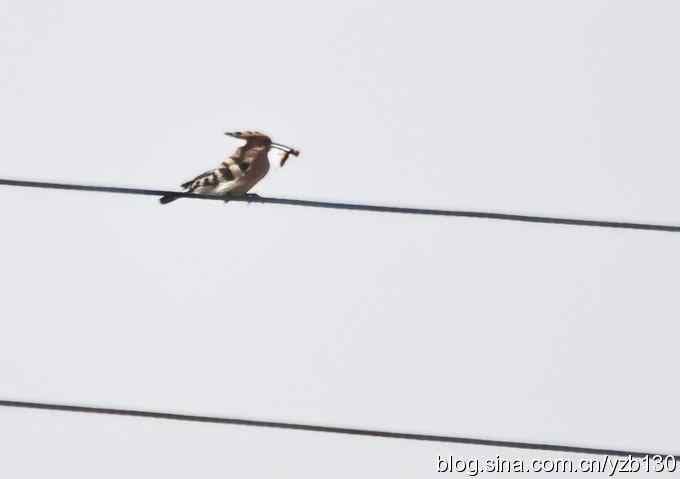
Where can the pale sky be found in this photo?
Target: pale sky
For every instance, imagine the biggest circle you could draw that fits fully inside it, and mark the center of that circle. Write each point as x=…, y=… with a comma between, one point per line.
x=435, y=325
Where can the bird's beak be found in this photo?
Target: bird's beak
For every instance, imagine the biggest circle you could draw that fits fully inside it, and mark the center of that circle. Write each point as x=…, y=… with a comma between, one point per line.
x=234, y=134
x=284, y=147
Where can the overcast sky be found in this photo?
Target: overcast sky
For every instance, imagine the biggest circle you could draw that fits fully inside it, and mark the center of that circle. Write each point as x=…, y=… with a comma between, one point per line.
x=423, y=324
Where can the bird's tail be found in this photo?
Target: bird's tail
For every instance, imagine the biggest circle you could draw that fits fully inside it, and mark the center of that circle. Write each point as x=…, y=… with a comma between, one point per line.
x=168, y=199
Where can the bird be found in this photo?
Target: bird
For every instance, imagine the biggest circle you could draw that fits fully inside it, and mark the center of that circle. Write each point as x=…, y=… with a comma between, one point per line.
x=240, y=171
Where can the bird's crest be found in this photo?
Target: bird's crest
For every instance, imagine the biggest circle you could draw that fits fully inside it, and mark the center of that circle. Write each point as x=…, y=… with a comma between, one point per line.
x=249, y=135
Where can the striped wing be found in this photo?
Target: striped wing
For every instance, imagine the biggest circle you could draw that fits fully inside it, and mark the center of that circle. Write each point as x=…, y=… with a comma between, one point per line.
x=212, y=177
x=192, y=184
x=235, y=166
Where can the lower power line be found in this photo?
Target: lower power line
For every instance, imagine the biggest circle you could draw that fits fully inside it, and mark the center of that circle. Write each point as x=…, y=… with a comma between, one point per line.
x=328, y=429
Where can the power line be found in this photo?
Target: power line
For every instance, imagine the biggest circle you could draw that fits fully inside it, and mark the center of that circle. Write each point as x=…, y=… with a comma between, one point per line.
x=351, y=206
x=327, y=429
x=332, y=429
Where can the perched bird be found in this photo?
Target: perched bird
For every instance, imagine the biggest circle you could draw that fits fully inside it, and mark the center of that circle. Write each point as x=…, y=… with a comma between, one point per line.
x=240, y=171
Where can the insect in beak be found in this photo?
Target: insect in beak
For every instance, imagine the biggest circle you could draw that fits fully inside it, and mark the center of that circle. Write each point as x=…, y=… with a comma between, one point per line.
x=287, y=151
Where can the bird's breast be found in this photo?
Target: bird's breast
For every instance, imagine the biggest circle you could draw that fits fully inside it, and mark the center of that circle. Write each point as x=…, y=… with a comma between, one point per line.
x=257, y=170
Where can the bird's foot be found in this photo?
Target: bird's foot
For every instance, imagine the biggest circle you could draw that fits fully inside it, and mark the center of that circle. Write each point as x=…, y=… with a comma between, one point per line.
x=250, y=197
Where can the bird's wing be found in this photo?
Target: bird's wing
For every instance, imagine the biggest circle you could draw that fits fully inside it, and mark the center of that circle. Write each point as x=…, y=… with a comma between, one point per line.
x=189, y=184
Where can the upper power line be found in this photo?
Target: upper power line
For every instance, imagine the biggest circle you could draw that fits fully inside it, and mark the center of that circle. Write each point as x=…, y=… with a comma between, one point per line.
x=351, y=206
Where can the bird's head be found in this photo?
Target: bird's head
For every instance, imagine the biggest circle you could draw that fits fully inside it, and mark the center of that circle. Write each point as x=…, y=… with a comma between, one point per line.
x=256, y=138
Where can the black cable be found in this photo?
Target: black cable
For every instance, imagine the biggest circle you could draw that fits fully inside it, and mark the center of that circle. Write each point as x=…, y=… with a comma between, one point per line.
x=328, y=429
x=331, y=429
x=350, y=206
